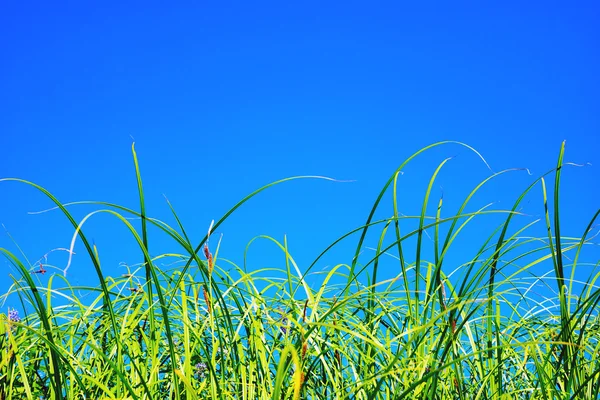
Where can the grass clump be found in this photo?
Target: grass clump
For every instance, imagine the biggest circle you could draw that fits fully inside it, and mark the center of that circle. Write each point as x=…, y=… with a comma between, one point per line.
x=199, y=330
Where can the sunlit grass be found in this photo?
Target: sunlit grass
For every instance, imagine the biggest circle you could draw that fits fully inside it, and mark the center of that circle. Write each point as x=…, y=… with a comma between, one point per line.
x=206, y=328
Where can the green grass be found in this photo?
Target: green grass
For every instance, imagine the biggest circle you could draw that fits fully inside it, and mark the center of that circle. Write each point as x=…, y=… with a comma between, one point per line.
x=210, y=329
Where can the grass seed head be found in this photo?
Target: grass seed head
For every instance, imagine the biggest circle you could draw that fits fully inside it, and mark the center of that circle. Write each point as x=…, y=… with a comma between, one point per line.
x=206, y=299
x=209, y=258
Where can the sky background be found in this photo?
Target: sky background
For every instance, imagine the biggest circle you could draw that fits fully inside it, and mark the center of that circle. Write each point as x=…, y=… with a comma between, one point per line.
x=224, y=98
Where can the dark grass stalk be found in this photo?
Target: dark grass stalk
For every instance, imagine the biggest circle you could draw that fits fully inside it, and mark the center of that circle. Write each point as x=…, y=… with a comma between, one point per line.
x=150, y=278
x=403, y=269
x=420, y=237
x=148, y=267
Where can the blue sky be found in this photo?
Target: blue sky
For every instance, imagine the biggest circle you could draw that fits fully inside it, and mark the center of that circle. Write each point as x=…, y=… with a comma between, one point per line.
x=223, y=98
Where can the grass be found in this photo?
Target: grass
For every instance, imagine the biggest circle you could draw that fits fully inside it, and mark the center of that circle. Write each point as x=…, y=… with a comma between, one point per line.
x=200, y=331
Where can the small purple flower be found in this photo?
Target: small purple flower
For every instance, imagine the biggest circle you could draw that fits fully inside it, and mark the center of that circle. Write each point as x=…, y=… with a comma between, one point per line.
x=201, y=370
x=13, y=315
x=284, y=323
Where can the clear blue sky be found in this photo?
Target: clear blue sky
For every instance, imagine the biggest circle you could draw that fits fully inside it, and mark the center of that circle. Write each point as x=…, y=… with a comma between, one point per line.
x=224, y=98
